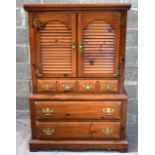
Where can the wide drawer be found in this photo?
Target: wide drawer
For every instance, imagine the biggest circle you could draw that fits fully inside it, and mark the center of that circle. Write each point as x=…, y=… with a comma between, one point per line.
x=77, y=130
x=84, y=110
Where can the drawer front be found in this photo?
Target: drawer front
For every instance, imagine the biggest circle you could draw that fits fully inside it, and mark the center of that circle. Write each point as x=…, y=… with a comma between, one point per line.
x=77, y=130
x=69, y=110
x=67, y=86
x=87, y=86
x=46, y=86
x=108, y=86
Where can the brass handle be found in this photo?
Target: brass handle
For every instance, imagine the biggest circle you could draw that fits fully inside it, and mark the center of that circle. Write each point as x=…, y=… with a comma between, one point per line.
x=107, y=132
x=74, y=47
x=81, y=47
x=48, y=131
x=108, y=111
x=38, y=72
x=107, y=87
x=88, y=86
x=47, y=111
x=67, y=87
x=47, y=87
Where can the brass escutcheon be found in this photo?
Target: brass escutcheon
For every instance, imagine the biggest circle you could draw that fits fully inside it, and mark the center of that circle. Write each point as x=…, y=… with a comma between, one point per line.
x=88, y=86
x=47, y=111
x=107, y=132
x=107, y=87
x=47, y=87
x=108, y=111
x=48, y=131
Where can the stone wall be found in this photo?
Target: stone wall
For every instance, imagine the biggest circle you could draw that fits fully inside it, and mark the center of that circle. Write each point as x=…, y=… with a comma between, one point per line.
x=23, y=62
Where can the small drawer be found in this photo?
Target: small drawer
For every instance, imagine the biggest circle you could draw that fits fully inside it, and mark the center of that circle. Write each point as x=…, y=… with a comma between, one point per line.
x=108, y=86
x=77, y=110
x=87, y=86
x=67, y=86
x=46, y=86
x=77, y=130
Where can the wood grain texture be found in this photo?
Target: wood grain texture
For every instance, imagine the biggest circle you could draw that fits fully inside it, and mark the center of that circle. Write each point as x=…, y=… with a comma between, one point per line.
x=77, y=62
x=55, y=37
x=98, y=44
x=79, y=145
x=77, y=110
x=73, y=7
x=80, y=97
x=77, y=130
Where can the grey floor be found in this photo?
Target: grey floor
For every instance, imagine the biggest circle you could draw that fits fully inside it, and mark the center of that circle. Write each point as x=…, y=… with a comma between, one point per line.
x=23, y=135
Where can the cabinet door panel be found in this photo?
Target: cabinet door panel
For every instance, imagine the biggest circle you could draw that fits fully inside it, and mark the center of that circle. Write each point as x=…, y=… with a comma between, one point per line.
x=55, y=36
x=98, y=44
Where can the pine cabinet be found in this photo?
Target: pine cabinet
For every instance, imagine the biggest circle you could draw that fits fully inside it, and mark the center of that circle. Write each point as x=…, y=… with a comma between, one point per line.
x=77, y=54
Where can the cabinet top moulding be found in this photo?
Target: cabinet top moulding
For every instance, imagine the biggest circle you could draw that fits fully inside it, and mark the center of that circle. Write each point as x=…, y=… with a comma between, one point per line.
x=78, y=7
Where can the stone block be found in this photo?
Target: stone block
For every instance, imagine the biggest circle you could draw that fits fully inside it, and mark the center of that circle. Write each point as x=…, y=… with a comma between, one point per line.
x=132, y=38
x=22, y=114
x=23, y=71
x=131, y=90
x=22, y=103
x=131, y=56
x=132, y=20
x=22, y=88
x=61, y=1
x=100, y=1
x=19, y=17
x=133, y=2
x=132, y=118
x=131, y=73
x=132, y=137
x=19, y=3
x=133, y=106
x=22, y=36
x=21, y=54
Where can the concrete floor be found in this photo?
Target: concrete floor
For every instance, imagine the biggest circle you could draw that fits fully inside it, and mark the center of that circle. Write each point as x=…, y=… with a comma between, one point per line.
x=23, y=135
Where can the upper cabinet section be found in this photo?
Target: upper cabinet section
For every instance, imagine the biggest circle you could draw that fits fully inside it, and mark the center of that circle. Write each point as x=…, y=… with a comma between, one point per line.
x=55, y=37
x=82, y=40
x=99, y=44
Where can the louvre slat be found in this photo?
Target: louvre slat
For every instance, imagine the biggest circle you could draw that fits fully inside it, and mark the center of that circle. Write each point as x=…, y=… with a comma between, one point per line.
x=55, y=46
x=98, y=48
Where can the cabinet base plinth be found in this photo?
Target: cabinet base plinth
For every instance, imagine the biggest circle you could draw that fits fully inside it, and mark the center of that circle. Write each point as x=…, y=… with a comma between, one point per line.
x=116, y=145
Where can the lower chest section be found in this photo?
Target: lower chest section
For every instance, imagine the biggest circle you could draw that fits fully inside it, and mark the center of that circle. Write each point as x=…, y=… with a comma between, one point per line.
x=77, y=119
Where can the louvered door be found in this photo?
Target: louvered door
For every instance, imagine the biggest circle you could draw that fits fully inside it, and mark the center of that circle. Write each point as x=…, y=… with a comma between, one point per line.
x=55, y=37
x=98, y=44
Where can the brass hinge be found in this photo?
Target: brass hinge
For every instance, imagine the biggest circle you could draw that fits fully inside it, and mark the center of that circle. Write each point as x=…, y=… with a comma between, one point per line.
x=38, y=72
x=118, y=72
x=120, y=21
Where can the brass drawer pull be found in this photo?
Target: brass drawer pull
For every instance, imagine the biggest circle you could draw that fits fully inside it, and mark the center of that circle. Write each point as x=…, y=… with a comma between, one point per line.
x=47, y=87
x=107, y=87
x=107, y=132
x=38, y=72
x=47, y=111
x=67, y=87
x=48, y=131
x=108, y=111
x=81, y=47
x=74, y=47
x=88, y=86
